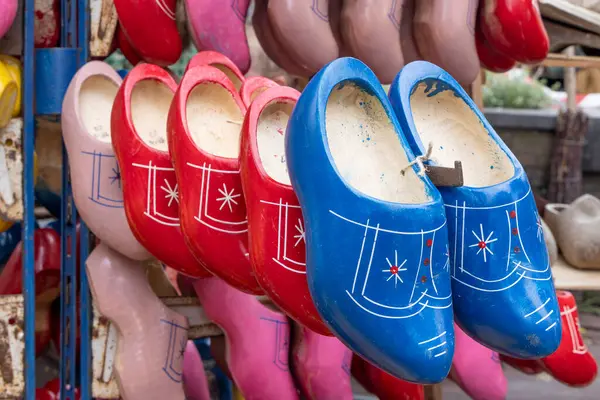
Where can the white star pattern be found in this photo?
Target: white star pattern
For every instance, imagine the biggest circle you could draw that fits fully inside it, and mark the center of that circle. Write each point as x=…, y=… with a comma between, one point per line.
x=300, y=236
x=171, y=193
x=395, y=269
x=483, y=243
x=540, y=230
x=228, y=198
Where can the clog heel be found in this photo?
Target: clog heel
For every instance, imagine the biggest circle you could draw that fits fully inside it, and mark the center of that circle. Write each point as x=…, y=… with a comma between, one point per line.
x=95, y=173
x=375, y=227
x=150, y=188
x=220, y=62
x=497, y=248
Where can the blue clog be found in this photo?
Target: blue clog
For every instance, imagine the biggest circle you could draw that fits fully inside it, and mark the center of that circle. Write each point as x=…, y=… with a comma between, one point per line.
x=376, y=234
x=502, y=286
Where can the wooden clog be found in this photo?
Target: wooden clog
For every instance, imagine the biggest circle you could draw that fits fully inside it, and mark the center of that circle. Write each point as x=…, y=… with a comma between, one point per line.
x=204, y=128
x=253, y=87
x=445, y=35
x=150, y=189
x=375, y=227
x=151, y=346
x=302, y=27
x=575, y=227
x=257, y=340
x=150, y=27
x=496, y=248
x=321, y=365
x=515, y=28
x=268, y=40
x=95, y=173
x=276, y=228
x=371, y=29
x=220, y=27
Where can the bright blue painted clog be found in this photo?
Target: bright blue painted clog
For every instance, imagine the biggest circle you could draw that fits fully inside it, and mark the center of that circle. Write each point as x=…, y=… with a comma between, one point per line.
x=502, y=286
x=376, y=233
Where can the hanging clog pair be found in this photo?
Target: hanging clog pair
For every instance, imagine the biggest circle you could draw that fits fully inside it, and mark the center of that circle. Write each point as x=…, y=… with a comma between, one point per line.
x=572, y=363
x=384, y=245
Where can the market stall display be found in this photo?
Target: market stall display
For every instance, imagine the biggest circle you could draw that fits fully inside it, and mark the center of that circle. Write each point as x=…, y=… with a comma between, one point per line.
x=337, y=228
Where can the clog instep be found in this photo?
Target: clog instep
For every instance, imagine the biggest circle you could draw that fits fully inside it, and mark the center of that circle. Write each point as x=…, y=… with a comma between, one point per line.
x=14, y=69
x=9, y=92
x=376, y=237
x=502, y=287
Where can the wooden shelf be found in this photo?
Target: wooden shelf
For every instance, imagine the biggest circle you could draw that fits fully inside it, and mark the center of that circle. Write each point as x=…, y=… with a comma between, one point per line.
x=570, y=278
x=562, y=60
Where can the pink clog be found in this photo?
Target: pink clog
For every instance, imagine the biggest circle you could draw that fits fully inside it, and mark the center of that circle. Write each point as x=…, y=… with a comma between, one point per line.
x=194, y=377
x=257, y=340
x=221, y=27
x=8, y=14
x=151, y=337
x=95, y=173
x=321, y=364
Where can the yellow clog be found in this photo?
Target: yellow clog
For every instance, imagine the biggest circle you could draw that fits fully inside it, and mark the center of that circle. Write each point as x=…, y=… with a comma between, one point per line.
x=14, y=68
x=8, y=95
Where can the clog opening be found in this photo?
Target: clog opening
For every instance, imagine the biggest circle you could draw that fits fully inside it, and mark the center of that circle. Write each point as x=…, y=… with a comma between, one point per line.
x=230, y=74
x=150, y=103
x=366, y=148
x=270, y=135
x=214, y=120
x=455, y=132
x=96, y=99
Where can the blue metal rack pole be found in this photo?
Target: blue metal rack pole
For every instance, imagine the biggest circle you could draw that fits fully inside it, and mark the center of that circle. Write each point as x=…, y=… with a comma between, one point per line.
x=68, y=308
x=29, y=200
x=85, y=297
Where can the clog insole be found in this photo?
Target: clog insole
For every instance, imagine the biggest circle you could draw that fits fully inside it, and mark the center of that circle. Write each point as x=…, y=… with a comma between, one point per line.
x=150, y=103
x=270, y=135
x=95, y=106
x=366, y=149
x=457, y=133
x=214, y=120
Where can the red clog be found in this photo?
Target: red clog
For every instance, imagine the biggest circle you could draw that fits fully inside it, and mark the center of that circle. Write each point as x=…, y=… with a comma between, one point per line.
x=382, y=384
x=276, y=226
x=47, y=279
x=572, y=364
x=46, y=23
x=126, y=48
x=220, y=62
x=151, y=29
x=489, y=58
x=150, y=188
x=515, y=28
x=204, y=129
x=528, y=367
x=253, y=87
